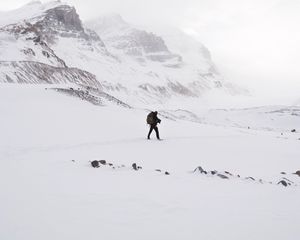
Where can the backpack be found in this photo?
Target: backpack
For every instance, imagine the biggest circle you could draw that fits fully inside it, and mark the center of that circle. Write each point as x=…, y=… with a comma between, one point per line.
x=150, y=118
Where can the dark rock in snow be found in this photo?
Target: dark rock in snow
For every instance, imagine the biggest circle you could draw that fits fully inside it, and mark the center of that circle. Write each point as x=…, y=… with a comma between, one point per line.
x=298, y=173
x=95, y=164
x=167, y=173
x=250, y=178
x=222, y=176
x=200, y=169
x=293, y=130
x=110, y=164
x=134, y=166
x=288, y=180
x=157, y=170
x=213, y=172
x=228, y=173
x=282, y=173
x=282, y=182
x=103, y=162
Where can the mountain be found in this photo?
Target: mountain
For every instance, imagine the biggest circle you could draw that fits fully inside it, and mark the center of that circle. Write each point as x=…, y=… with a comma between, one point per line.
x=47, y=42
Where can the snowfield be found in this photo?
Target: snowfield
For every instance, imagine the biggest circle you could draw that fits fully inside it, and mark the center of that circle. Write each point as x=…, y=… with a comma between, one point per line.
x=50, y=191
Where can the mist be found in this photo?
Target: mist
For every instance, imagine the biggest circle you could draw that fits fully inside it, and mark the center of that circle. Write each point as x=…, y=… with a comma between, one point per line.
x=253, y=43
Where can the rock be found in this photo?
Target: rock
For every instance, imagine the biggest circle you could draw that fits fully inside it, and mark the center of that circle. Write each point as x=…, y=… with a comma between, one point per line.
x=297, y=173
x=228, y=173
x=222, y=176
x=293, y=130
x=73, y=160
x=167, y=173
x=288, y=181
x=200, y=169
x=282, y=182
x=157, y=170
x=213, y=172
x=95, y=164
x=110, y=164
x=282, y=173
x=134, y=166
x=103, y=162
x=250, y=178
x=139, y=167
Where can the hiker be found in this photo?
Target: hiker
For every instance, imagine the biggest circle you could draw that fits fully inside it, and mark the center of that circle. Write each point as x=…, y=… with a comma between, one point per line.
x=153, y=120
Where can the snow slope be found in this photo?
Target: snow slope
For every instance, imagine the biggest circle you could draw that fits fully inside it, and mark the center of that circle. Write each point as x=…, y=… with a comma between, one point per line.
x=50, y=191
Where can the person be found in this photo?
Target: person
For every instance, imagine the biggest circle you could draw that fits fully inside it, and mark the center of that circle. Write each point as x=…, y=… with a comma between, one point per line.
x=153, y=120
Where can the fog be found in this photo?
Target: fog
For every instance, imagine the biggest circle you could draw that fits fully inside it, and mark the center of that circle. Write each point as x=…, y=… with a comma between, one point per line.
x=254, y=43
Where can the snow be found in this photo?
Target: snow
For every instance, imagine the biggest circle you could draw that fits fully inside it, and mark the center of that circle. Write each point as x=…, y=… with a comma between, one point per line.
x=31, y=10
x=46, y=195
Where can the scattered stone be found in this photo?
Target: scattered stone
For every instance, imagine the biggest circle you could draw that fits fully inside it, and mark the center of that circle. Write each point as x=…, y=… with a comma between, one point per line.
x=250, y=178
x=122, y=165
x=73, y=160
x=297, y=173
x=288, y=180
x=213, y=172
x=110, y=164
x=238, y=175
x=229, y=173
x=103, y=162
x=200, y=169
x=157, y=170
x=134, y=166
x=282, y=173
x=167, y=173
x=95, y=164
x=222, y=176
x=139, y=167
x=282, y=182
x=281, y=134
x=293, y=130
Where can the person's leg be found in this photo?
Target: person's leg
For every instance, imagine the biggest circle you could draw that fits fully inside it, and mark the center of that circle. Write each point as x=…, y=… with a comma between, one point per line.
x=150, y=131
x=157, y=133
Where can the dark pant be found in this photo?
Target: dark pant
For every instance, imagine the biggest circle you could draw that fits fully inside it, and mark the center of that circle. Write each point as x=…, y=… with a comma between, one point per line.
x=153, y=126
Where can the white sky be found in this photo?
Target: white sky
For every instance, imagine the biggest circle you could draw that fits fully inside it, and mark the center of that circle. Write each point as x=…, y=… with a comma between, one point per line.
x=253, y=42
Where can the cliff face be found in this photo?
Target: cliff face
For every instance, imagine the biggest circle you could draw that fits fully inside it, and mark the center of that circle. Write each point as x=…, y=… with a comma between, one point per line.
x=38, y=73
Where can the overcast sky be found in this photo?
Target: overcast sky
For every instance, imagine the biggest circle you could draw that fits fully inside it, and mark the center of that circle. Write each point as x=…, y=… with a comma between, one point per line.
x=253, y=42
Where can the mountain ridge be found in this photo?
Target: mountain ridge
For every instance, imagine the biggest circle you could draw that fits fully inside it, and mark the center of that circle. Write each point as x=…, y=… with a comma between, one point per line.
x=132, y=64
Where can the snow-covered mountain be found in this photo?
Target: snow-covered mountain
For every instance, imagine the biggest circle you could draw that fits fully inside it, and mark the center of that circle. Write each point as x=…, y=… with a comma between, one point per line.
x=136, y=66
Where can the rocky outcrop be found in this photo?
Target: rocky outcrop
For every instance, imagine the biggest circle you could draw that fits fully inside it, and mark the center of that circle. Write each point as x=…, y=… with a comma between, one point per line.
x=39, y=73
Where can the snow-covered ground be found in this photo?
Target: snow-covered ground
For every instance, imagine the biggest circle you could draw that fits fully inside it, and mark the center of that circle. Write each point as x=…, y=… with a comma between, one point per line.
x=50, y=191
